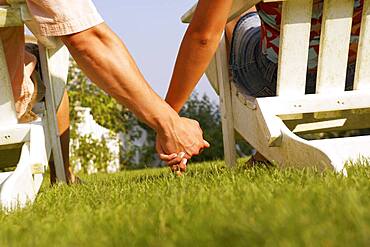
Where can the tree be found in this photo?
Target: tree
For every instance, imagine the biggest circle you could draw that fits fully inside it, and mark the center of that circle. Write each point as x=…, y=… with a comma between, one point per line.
x=209, y=118
x=106, y=112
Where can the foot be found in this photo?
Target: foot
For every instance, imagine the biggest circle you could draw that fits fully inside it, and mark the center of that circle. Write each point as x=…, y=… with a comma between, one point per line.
x=257, y=159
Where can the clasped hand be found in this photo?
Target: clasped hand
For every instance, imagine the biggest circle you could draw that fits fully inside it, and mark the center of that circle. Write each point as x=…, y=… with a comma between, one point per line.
x=179, y=143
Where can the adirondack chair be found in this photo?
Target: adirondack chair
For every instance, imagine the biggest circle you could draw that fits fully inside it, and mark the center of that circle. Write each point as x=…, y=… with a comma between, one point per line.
x=275, y=126
x=27, y=147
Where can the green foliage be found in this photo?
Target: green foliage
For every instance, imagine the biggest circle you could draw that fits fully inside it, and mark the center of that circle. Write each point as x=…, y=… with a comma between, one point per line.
x=90, y=152
x=209, y=206
x=208, y=116
x=108, y=113
x=105, y=110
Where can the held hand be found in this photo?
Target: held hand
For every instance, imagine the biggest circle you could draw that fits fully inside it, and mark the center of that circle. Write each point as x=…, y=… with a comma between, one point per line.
x=185, y=136
x=176, y=162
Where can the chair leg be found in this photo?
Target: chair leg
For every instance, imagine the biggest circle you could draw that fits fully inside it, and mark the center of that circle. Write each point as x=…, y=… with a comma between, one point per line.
x=51, y=115
x=228, y=137
x=226, y=104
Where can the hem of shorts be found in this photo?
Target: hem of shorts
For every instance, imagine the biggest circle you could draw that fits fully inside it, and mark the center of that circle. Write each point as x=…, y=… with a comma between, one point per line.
x=232, y=55
x=70, y=26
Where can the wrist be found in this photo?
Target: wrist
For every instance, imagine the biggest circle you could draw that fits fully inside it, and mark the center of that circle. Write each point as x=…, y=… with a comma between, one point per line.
x=174, y=103
x=165, y=120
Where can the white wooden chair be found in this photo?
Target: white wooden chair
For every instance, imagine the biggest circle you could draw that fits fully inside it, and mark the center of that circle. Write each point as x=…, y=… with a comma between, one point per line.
x=273, y=125
x=28, y=146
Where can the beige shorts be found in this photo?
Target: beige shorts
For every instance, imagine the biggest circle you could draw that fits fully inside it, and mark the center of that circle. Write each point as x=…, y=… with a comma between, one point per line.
x=63, y=17
x=53, y=18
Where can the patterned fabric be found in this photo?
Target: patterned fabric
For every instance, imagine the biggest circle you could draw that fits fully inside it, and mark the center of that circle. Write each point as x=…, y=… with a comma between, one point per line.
x=270, y=14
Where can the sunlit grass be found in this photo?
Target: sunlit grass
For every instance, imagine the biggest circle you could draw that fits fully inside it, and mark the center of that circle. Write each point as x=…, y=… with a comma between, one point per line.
x=210, y=205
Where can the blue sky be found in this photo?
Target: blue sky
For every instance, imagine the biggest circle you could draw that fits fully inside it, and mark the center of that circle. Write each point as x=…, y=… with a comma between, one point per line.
x=152, y=31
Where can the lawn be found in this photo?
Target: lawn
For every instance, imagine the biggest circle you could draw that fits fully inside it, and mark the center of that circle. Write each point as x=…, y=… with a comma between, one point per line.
x=211, y=205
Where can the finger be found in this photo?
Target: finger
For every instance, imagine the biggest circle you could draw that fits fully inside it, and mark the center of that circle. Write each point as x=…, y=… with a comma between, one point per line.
x=175, y=161
x=181, y=155
x=166, y=157
x=175, y=168
x=183, y=165
x=206, y=144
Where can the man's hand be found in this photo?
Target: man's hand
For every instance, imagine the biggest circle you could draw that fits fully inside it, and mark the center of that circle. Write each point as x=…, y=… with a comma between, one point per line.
x=179, y=142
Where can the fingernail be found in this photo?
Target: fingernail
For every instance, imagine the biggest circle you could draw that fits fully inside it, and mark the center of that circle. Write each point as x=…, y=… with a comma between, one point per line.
x=173, y=156
x=181, y=155
x=185, y=161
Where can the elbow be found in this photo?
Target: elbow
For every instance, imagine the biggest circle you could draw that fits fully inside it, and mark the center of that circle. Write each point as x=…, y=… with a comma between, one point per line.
x=205, y=39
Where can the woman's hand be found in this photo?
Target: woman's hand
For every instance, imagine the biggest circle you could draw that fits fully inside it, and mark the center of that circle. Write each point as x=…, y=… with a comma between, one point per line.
x=176, y=162
x=180, y=142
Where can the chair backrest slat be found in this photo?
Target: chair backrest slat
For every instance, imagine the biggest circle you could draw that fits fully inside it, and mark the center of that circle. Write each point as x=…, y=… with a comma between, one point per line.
x=362, y=78
x=294, y=45
x=334, y=45
x=7, y=108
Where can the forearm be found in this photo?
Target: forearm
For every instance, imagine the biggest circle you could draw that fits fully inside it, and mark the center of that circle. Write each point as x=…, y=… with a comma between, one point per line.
x=197, y=49
x=189, y=68
x=106, y=61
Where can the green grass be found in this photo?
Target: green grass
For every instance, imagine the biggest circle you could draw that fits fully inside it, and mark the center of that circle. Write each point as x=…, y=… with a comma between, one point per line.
x=211, y=205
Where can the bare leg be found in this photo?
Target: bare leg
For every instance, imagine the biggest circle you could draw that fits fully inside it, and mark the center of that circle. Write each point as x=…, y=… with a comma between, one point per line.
x=63, y=124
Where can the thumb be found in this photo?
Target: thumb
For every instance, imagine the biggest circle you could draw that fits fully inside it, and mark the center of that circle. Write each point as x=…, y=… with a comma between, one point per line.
x=206, y=144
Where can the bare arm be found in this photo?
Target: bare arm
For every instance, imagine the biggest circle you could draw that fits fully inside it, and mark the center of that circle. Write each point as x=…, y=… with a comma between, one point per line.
x=198, y=46
x=106, y=61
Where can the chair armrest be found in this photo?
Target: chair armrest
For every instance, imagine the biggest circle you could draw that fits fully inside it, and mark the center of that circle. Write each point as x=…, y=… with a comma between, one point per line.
x=238, y=8
x=10, y=17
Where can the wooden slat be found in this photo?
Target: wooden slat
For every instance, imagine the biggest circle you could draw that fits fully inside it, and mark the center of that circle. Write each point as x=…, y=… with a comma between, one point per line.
x=38, y=153
x=346, y=120
x=362, y=78
x=226, y=104
x=294, y=45
x=211, y=73
x=45, y=57
x=334, y=46
x=58, y=69
x=7, y=107
x=312, y=103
